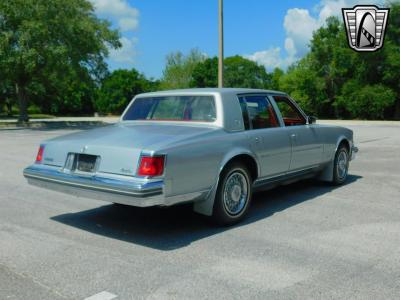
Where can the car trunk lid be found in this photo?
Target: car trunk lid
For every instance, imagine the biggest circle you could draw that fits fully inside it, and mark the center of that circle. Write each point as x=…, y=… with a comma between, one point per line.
x=119, y=146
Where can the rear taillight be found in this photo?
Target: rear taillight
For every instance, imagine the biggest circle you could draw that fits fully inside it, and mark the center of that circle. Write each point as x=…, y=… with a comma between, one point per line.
x=39, y=155
x=151, y=166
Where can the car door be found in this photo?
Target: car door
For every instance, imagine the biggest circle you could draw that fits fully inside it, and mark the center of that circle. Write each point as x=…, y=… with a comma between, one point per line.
x=268, y=140
x=307, y=148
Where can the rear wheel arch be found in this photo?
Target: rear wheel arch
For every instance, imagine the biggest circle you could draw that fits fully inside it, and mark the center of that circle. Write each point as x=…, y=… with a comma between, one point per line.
x=248, y=160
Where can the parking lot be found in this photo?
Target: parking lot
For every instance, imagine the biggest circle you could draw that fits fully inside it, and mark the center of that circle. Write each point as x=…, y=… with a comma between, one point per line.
x=305, y=240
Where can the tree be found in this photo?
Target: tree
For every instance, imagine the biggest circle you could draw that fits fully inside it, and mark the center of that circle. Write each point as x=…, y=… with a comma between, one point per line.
x=40, y=39
x=6, y=96
x=205, y=74
x=391, y=49
x=332, y=80
x=276, y=76
x=245, y=73
x=332, y=61
x=72, y=94
x=238, y=72
x=118, y=89
x=366, y=101
x=179, y=69
x=304, y=85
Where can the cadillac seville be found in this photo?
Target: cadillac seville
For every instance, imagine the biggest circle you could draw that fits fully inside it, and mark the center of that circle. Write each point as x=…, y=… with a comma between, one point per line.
x=210, y=147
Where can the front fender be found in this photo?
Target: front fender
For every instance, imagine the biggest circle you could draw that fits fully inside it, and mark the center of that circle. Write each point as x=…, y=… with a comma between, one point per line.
x=340, y=139
x=327, y=173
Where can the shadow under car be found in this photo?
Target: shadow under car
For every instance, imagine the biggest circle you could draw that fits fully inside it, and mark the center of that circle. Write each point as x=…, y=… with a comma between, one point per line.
x=178, y=226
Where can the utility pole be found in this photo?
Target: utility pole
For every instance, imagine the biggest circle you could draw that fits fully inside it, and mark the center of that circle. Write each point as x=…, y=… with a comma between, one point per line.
x=221, y=46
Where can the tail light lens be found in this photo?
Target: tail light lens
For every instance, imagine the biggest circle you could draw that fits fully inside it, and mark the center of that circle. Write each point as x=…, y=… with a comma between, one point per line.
x=151, y=166
x=39, y=155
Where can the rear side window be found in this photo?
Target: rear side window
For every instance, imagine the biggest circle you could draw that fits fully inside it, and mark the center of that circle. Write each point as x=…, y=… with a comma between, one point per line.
x=173, y=108
x=258, y=113
x=245, y=113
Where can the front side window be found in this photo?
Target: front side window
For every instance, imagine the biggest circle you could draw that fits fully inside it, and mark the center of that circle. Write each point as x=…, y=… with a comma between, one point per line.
x=173, y=108
x=259, y=111
x=290, y=114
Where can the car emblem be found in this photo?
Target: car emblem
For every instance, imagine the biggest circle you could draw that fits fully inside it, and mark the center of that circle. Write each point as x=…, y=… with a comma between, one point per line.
x=83, y=150
x=365, y=26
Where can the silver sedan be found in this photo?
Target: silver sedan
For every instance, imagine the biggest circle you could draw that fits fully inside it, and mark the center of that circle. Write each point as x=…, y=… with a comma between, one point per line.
x=210, y=147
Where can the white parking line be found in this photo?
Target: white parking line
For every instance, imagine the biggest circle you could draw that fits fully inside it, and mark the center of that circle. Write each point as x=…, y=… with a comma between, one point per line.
x=104, y=295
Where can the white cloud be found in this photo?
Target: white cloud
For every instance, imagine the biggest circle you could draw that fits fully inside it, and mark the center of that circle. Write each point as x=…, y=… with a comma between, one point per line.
x=271, y=58
x=126, y=17
x=290, y=48
x=125, y=54
x=120, y=11
x=127, y=24
x=299, y=25
x=329, y=8
x=333, y=8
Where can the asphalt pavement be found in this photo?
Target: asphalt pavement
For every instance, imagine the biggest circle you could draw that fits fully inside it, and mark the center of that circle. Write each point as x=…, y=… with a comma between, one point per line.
x=305, y=240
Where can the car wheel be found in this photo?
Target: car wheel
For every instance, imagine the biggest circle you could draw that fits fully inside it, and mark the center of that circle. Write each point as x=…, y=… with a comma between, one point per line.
x=341, y=165
x=233, y=194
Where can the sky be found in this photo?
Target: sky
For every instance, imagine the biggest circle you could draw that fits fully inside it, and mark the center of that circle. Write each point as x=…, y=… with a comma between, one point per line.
x=272, y=33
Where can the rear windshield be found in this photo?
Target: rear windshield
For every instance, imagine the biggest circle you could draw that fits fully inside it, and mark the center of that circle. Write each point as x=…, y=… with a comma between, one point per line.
x=173, y=108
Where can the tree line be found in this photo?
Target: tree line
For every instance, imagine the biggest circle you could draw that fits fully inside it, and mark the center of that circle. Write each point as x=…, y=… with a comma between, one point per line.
x=53, y=52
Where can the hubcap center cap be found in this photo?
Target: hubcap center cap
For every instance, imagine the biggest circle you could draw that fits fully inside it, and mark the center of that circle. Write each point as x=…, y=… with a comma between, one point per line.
x=236, y=193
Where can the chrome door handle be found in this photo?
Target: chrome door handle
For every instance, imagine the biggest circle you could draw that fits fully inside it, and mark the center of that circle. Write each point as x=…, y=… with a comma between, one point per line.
x=293, y=135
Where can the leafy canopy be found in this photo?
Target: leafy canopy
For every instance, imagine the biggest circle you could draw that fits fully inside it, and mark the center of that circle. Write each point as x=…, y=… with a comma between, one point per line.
x=179, y=69
x=44, y=39
x=118, y=89
x=238, y=72
x=334, y=81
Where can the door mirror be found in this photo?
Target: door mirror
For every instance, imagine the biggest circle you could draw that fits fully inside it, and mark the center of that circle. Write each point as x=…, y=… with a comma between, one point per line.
x=311, y=120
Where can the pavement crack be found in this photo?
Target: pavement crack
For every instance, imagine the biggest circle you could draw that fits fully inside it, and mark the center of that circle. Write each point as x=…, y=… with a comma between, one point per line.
x=373, y=140
x=33, y=279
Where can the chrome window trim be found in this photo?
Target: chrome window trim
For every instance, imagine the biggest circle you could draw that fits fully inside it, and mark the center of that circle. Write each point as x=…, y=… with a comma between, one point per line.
x=217, y=103
x=296, y=106
x=266, y=95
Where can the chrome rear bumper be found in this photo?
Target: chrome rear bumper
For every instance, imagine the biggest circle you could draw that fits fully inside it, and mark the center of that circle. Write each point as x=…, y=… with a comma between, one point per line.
x=113, y=188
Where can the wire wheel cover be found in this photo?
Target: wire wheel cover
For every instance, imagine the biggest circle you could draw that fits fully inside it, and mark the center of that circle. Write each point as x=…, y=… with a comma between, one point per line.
x=235, y=193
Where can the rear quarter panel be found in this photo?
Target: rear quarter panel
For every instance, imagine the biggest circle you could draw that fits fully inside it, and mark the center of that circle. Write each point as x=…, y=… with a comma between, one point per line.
x=195, y=164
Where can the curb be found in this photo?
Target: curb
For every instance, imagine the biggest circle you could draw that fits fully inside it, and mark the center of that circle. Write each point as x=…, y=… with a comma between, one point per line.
x=51, y=125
